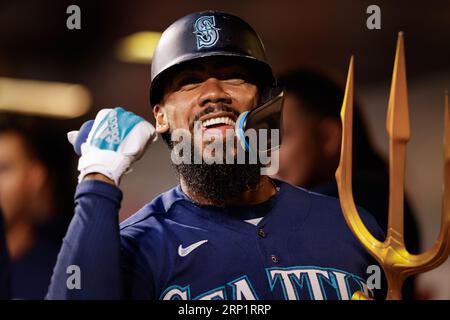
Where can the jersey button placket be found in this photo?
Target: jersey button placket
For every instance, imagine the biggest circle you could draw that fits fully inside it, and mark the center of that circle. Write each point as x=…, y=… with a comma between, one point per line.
x=262, y=233
x=274, y=258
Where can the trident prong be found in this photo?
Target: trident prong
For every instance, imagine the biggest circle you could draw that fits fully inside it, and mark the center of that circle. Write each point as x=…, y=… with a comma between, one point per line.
x=392, y=254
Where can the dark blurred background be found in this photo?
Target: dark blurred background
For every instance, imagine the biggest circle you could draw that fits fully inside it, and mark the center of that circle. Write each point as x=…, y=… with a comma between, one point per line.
x=36, y=44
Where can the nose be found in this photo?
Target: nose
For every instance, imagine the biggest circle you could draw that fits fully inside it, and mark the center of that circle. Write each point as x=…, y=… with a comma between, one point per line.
x=212, y=91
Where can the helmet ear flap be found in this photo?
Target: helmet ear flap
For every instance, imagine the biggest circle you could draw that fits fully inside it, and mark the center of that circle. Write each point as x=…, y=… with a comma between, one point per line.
x=267, y=116
x=269, y=92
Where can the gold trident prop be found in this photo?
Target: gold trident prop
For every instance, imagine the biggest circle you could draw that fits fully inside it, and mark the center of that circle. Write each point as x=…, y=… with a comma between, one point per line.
x=397, y=262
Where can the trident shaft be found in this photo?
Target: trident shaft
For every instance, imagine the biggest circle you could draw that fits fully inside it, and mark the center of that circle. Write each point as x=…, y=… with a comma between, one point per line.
x=391, y=254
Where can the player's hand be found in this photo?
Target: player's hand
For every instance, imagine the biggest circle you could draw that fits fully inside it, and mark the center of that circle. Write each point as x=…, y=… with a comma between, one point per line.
x=110, y=144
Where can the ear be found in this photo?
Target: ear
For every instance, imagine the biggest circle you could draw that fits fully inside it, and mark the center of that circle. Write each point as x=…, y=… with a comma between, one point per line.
x=331, y=132
x=162, y=121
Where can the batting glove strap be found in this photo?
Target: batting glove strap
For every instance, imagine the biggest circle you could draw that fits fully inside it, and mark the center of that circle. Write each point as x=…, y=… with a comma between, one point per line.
x=109, y=163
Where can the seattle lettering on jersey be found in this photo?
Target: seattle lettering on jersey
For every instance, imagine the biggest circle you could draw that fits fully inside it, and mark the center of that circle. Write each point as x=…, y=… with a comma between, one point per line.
x=295, y=283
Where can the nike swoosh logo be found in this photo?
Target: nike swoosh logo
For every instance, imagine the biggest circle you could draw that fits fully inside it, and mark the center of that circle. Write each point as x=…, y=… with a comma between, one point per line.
x=183, y=252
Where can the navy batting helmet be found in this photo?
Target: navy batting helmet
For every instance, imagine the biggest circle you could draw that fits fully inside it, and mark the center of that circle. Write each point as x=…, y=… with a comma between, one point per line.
x=209, y=34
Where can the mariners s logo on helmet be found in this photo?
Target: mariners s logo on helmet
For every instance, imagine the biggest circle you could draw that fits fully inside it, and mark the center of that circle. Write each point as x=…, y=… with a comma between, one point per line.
x=206, y=32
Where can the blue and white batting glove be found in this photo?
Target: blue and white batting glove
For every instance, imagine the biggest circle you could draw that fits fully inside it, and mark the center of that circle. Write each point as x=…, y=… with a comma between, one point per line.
x=111, y=143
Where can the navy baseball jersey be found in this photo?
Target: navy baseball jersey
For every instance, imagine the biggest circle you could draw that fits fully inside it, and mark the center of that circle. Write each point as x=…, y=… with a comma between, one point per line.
x=296, y=245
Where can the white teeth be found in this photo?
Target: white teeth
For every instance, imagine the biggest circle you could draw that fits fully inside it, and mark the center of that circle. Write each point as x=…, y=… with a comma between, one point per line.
x=218, y=120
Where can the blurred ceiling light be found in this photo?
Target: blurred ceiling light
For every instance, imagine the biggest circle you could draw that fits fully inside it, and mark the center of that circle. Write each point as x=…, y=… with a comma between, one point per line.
x=52, y=99
x=138, y=47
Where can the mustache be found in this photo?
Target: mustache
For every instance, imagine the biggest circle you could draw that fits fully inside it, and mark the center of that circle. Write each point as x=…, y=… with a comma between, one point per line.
x=218, y=107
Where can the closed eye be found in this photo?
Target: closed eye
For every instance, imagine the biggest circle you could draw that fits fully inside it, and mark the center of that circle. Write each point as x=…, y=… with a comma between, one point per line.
x=188, y=81
x=237, y=78
x=235, y=81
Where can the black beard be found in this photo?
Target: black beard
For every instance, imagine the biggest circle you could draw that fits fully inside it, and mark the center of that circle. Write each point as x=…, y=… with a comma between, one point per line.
x=220, y=183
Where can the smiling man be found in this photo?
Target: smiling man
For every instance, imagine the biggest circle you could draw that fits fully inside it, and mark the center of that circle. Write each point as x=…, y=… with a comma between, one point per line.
x=204, y=99
x=226, y=232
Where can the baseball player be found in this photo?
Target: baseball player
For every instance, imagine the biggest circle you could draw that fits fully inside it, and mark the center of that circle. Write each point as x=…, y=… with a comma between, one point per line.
x=226, y=232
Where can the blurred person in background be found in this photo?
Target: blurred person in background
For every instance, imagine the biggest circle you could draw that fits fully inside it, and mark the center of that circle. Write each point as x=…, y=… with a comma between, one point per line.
x=5, y=290
x=310, y=152
x=35, y=200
